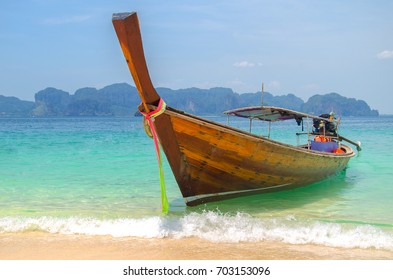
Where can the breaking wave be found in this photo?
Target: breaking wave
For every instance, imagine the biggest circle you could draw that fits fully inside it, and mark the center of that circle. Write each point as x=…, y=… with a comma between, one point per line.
x=214, y=227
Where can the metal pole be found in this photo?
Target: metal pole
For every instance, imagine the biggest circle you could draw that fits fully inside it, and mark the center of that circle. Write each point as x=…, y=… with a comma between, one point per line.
x=268, y=136
x=308, y=135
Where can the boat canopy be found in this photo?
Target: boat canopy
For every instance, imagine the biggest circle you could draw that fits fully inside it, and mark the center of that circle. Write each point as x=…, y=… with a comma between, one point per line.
x=272, y=114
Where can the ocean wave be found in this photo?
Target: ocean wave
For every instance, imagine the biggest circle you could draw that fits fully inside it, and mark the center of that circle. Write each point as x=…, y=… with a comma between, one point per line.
x=214, y=227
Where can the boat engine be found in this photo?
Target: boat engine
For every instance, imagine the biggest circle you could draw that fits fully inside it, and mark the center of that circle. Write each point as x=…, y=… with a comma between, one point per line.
x=329, y=126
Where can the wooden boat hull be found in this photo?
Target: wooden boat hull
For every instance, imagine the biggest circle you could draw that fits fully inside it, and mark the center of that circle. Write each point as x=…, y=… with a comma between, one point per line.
x=213, y=162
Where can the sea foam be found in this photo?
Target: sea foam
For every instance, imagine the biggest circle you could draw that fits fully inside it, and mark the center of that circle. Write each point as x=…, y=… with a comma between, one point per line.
x=214, y=227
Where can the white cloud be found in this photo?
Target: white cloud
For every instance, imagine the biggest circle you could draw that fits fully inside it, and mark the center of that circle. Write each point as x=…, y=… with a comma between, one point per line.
x=244, y=64
x=385, y=54
x=66, y=20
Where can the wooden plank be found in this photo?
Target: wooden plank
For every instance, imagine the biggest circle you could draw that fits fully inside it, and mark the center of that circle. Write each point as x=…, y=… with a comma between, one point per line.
x=128, y=32
x=219, y=161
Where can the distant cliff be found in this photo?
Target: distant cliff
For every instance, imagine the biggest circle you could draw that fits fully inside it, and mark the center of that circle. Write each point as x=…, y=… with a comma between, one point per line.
x=114, y=100
x=14, y=107
x=216, y=100
x=340, y=105
x=123, y=99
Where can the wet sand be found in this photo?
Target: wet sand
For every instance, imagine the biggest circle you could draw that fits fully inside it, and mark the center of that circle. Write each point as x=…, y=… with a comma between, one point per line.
x=45, y=246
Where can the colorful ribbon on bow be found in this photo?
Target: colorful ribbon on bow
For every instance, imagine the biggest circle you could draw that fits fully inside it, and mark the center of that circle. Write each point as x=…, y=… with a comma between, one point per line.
x=150, y=119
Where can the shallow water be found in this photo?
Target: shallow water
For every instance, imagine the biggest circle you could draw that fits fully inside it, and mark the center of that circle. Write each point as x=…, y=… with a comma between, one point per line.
x=99, y=176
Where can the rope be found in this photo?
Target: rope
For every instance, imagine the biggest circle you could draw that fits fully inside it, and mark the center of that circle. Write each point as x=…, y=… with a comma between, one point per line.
x=150, y=119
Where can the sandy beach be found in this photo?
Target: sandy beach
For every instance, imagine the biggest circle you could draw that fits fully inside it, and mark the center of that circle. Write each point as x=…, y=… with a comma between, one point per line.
x=45, y=246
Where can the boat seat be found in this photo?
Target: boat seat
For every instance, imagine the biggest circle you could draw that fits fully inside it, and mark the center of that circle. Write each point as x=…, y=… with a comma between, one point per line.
x=327, y=147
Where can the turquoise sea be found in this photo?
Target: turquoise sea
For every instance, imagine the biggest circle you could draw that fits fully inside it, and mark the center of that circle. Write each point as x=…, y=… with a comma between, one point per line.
x=99, y=176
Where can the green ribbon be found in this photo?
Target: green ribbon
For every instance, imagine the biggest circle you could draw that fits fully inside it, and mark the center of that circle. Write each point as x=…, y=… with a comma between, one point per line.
x=150, y=119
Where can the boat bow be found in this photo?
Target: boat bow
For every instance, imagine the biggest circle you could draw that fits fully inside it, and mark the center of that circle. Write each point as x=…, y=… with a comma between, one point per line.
x=128, y=32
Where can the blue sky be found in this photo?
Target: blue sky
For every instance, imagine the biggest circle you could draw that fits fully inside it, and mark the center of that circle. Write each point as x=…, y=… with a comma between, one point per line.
x=301, y=47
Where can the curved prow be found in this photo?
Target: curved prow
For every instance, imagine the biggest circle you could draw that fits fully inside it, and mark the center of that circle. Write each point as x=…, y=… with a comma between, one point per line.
x=129, y=35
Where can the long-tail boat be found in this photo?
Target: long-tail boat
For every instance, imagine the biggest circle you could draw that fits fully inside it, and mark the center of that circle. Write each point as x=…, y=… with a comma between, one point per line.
x=213, y=161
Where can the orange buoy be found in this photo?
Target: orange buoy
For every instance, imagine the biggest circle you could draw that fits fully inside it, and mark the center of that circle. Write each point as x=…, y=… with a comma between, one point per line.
x=320, y=138
x=339, y=151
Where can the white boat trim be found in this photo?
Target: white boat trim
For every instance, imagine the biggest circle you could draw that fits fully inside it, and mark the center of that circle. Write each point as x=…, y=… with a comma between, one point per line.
x=198, y=197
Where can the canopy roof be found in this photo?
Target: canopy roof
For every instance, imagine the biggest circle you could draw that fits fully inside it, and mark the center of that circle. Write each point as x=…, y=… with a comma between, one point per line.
x=271, y=114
